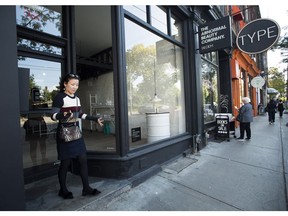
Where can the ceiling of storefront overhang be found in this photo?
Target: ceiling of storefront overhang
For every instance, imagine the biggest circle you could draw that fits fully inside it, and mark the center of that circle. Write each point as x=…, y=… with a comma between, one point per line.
x=93, y=28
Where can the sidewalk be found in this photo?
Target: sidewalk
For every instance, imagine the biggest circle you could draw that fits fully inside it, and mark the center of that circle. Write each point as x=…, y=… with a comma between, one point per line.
x=224, y=176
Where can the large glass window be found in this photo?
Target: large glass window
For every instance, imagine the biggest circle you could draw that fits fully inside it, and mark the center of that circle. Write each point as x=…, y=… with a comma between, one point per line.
x=158, y=18
x=154, y=70
x=38, y=84
x=210, y=86
x=94, y=65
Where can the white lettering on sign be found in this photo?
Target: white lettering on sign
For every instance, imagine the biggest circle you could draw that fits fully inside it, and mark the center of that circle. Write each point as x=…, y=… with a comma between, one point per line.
x=222, y=121
x=256, y=36
x=215, y=35
x=210, y=35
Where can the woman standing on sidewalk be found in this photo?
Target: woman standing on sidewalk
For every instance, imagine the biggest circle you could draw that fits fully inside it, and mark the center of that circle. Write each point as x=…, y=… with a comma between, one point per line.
x=246, y=117
x=66, y=108
x=271, y=109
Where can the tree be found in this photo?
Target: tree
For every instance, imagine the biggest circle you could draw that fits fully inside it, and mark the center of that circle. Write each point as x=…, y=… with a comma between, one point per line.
x=276, y=80
x=283, y=45
x=147, y=76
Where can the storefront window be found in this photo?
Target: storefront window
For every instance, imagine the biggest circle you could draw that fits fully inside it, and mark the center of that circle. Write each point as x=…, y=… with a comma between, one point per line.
x=159, y=18
x=154, y=70
x=96, y=89
x=137, y=10
x=210, y=90
x=41, y=47
x=46, y=19
x=38, y=84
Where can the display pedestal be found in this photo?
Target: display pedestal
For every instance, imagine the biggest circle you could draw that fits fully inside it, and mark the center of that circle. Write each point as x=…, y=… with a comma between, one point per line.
x=158, y=126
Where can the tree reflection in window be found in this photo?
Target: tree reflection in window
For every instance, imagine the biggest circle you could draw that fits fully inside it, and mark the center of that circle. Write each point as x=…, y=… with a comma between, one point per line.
x=210, y=91
x=42, y=19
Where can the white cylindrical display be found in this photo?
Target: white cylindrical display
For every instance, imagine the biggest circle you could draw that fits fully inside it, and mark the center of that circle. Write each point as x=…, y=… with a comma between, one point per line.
x=158, y=126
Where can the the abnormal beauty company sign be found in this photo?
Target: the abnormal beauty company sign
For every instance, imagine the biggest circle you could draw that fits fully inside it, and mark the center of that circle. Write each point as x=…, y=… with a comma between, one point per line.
x=258, y=36
x=215, y=35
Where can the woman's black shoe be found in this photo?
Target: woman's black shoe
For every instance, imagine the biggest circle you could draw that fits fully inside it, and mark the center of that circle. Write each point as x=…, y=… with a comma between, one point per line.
x=67, y=195
x=90, y=192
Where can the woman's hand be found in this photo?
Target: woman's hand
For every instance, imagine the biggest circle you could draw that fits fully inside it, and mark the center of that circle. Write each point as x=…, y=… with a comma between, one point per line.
x=100, y=121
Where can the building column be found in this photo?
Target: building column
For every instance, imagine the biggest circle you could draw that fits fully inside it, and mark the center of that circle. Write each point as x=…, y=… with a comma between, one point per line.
x=11, y=164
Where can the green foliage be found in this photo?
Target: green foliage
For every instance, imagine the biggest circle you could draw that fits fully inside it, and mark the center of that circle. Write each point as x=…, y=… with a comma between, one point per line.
x=276, y=80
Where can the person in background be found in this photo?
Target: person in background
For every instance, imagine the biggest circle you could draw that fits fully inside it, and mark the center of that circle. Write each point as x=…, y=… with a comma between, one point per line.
x=246, y=118
x=66, y=109
x=280, y=108
x=271, y=109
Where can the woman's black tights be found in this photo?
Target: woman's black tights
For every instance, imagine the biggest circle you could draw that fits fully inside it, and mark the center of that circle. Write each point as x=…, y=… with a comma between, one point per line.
x=64, y=167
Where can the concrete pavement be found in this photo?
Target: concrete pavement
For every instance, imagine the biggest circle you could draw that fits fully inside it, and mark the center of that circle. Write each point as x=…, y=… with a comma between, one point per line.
x=224, y=176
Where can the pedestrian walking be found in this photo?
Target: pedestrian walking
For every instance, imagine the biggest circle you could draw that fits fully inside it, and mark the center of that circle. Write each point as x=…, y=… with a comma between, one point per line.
x=271, y=109
x=280, y=108
x=245, y=117
x=66, y=108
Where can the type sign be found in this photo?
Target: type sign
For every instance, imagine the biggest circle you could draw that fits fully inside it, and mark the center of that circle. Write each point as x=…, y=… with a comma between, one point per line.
x=258, y=36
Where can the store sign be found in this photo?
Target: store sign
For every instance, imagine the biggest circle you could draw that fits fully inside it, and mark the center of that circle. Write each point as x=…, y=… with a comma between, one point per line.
x=215, y=35
x=258, y=36
x=136, y=134
x=257, y=82
x=223, y=126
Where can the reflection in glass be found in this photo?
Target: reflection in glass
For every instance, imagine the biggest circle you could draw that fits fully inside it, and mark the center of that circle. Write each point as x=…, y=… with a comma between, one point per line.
x=211, y=56
x=159, y=18
x=137, y=10
x=43, y=78
x=38, y=84
x=38, y=139
x=176, y=29
x=154, y=70
x=46, y=19
x=210, y=91
x=41, y=47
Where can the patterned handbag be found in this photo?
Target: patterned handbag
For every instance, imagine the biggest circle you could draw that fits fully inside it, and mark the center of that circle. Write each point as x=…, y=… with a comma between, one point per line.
x=71, y=133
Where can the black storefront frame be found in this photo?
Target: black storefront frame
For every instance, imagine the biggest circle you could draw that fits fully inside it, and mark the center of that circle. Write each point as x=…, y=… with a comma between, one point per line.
x=12, y=181
x=126, y=163
x=123, y=165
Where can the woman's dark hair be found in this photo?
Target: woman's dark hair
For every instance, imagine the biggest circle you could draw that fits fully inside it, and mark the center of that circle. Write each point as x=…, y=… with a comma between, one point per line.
x=66, y=79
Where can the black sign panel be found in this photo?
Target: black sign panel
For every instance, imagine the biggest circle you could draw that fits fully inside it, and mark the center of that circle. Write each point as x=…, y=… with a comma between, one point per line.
x=215, y=35
x=136, y=134
x=258, y=36
x=223, y=126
